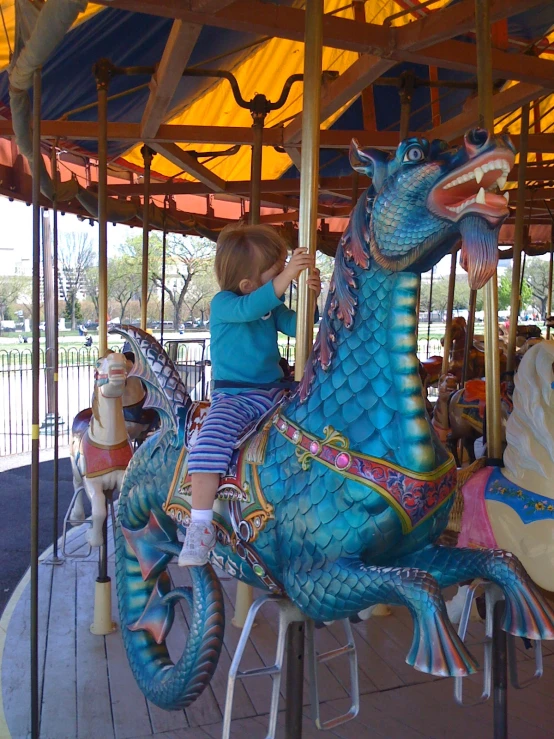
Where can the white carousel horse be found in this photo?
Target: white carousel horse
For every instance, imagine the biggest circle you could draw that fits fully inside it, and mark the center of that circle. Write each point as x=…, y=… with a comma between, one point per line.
x=100, y=448
x=512, y=508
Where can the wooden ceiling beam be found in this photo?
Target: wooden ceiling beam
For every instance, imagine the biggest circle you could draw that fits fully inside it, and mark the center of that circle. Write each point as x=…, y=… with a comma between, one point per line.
x=185, y=161
x=438, y=25
x=503, y=102
x=341, y=91
x=180, y=44
x=267, y=19
x=230, y=135
x=462, y=56
x=285, y=186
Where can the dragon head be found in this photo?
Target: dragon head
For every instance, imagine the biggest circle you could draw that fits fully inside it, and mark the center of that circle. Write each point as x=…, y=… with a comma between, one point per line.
x=427, y=196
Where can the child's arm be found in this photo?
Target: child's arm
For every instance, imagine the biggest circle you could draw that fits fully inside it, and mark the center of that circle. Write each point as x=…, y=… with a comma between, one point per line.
x=231, y=308
x=286, y=318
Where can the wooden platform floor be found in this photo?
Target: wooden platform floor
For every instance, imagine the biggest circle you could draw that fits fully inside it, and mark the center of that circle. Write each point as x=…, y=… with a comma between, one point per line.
x=88, y=692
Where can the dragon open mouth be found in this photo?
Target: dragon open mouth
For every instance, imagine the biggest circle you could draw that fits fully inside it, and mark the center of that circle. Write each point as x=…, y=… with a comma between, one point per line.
x=474, y=187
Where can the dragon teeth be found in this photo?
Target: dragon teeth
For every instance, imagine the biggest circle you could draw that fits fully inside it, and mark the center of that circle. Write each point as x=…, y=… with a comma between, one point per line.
x=479, y=172
x=501, y=181
x=506, y=196
x=481, y=197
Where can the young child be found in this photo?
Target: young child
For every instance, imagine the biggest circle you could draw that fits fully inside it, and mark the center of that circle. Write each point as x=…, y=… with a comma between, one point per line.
x=251, y=269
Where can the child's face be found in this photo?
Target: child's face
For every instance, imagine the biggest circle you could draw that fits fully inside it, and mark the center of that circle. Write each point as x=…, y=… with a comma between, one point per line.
x=275, y=270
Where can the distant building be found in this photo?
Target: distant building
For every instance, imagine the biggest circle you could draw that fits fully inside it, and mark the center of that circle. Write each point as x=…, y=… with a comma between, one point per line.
x=12, y=263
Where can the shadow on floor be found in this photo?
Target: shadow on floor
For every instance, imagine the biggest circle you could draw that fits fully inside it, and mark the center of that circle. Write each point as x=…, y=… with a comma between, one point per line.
x=15, y=518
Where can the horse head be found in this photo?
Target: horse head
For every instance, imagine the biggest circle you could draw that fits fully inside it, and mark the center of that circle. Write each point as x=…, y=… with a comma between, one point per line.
x=427, y=196
x=530, y=428
x=110, y=376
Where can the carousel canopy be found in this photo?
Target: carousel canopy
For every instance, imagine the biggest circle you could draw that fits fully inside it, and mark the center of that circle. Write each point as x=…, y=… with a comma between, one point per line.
x=374, y=52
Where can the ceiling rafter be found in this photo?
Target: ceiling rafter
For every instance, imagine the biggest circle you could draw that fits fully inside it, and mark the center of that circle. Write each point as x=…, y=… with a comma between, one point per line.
x=231, y=135
x=503, y=102
x=437, y=26
x=187, y=162
x=178, y=49
x=267, y=19
x=180, y=44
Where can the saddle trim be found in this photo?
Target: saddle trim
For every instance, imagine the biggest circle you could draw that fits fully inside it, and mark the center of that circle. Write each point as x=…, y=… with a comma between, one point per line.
x=334, y=452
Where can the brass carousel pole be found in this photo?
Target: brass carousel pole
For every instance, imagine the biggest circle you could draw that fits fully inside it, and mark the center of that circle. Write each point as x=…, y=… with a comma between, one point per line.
x=102, y=72
x=35, y=698
x=550, y=270
x=309, y=175
x=307, y=237
x=515, y=304
x=492, y=367
x=103, y=623
x=147, y=155
x=492, y=363
x=245, y=593
x=470, y=326
x=449, y=310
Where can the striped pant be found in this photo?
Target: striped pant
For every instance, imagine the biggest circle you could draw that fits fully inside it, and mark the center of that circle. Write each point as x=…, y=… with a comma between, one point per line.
x=227, y=418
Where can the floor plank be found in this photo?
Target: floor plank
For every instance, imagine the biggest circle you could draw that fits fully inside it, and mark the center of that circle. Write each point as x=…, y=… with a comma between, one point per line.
x=59, y=694
x=89, y=692
x=93, y=689
x=129, y=709
x=15, y=660
x=243, y=706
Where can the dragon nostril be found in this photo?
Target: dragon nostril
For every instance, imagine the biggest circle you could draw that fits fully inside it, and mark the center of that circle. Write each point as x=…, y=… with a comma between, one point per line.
x=477, y=137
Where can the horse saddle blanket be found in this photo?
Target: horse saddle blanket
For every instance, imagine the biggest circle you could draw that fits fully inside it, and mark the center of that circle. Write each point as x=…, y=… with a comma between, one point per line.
x=101, y=459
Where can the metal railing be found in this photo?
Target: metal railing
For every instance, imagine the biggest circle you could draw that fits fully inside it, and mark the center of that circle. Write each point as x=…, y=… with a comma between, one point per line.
x=76, y=384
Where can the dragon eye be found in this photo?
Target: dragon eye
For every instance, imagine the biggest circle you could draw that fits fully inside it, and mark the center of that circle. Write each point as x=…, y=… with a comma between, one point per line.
x=414, y=154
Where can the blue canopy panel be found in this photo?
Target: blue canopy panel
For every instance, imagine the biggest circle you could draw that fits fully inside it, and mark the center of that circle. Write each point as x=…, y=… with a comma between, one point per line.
x=68, y=81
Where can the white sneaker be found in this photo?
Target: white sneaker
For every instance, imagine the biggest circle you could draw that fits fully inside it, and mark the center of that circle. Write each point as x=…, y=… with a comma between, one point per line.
x=199, y=542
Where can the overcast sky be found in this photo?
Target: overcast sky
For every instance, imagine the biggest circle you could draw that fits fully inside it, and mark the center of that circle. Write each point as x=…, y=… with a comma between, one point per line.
x=16, y=229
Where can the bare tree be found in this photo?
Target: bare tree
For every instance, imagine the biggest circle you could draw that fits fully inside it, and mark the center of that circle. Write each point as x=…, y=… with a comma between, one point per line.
x=536, y=277
x=12, y=288
x=124, y=281
x=187, y=257
x=91, y=287
x=76, y=255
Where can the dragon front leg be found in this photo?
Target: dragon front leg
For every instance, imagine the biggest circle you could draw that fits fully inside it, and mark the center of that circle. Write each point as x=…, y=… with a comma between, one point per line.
x=526, y=614
x=345, y=587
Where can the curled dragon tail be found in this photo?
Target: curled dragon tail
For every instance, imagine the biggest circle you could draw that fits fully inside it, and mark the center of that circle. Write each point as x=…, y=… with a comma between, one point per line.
x=146, y=541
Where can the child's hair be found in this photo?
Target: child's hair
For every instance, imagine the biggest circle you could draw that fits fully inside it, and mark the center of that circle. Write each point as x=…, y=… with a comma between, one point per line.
x=245, y=252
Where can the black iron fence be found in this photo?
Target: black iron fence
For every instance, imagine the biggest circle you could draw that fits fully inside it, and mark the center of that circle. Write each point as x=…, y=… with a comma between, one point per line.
x=76, y=367
x=76, y=383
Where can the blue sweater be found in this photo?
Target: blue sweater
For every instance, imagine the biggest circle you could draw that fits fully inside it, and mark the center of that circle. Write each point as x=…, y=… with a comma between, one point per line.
x=244, y=336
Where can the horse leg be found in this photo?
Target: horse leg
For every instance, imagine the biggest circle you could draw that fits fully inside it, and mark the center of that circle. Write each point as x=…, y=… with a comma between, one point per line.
x=78, y=510
x=436, y=648
x=95, y=492
x=469, y=445
x=526, y=613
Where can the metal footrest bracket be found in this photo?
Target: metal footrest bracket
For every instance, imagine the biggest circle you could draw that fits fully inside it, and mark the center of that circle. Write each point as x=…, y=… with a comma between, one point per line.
x=288, y=613
x=315, y=659
x=492, y=595
x=512, y=663
x=70, y=522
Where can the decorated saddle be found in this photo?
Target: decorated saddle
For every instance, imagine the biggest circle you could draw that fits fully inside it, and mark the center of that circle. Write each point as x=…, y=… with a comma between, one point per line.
x=241, y=510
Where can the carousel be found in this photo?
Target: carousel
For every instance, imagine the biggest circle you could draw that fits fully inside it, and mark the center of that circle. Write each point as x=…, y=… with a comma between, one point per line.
x=383, y=561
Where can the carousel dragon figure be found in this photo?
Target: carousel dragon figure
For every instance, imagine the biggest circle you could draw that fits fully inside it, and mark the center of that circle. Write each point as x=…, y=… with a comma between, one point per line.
x=337, y=498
